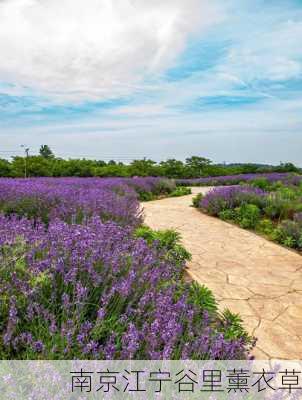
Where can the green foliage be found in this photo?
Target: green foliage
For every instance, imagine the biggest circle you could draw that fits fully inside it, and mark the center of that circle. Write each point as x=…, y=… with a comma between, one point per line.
x=29, y=207
x=172, y=168
x=46, y=152
x=290, y=233
x=248, y=215
x=261, y=183
x=35, y=166
x=5, y=168
x=282, y=204
x=289, y=242
x=146, y=196
x=232, y=326
x=286, y=167
x=197, y=199
x=196, y=165
x=163, y=188
x=169, y=240
x=46, y=164
x=266, y=226
x=180, y=191
x=142, y=168
x=227, y=215
x=203, y=297
x=164, y=238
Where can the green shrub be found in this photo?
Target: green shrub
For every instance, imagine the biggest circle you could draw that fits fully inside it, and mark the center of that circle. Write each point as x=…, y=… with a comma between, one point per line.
x=276, y=185
x=298, y=207
x=280, y=207
x=261, y=183
x=30, y=207
x=288, y=233
x=227, y=215
x=265, y=226
x=232, y=325
x=248, y=215
x=203, y=297
x=197, y=199
x=168, y=240
x=287, y=193
x=276, y=235
x=180, y=191
x=291, y=228
x=165, y=186
x=289, y=242
x=146, y=196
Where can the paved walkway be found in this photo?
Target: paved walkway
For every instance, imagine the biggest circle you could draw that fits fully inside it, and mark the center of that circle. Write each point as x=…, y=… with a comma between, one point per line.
x=248, y=274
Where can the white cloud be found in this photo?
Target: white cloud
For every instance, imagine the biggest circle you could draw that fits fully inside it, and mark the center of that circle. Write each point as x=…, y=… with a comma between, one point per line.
x=272, y=52
x=76, y=50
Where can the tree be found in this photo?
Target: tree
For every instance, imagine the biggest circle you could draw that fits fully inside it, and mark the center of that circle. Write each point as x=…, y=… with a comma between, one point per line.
x=172, y=168
x=36, y=166
x=143, y=167
x=197, y=165
x=5, y=167
x=287, y=167
x=46, y=152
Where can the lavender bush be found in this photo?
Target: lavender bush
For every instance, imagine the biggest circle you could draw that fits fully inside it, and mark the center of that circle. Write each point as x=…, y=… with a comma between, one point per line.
x=225, y=198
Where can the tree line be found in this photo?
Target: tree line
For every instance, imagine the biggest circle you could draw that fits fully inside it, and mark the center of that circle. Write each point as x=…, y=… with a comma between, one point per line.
x=47, y=164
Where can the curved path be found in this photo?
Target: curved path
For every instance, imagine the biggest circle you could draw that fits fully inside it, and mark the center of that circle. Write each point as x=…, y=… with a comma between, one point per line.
x=248, y=274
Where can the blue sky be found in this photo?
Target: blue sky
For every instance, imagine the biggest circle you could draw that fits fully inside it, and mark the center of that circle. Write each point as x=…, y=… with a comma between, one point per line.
x=126, y=79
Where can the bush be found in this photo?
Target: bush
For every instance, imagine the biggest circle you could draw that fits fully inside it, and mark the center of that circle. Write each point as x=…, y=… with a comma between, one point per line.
x=248, y=216
x=225, y=198
x=280, y=205
x=146, y=196
x=227, y=215
x=165, y=186
x=203, y=297
x=169, y=240
x=180, y=191
x=265, y=226
x=197, y=200
x=289, y=242
x=261, y=183
x=232, y=324
x=289, y=233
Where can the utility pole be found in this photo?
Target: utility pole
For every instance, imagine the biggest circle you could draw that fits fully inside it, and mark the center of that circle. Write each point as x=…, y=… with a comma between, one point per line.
x=26, y=149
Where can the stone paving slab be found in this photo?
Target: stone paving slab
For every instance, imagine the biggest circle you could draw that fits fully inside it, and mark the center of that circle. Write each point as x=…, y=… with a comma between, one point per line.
x=248, y=274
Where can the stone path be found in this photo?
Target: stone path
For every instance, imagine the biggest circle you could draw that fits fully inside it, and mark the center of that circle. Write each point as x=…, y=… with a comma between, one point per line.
x=248, y=274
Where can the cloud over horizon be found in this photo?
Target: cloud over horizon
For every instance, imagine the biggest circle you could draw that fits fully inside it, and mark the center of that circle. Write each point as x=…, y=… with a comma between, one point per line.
x=80, y=50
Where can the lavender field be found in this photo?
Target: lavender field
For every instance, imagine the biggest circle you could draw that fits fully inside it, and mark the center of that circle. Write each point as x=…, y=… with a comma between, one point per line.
x=81, y=277
x=227, y=180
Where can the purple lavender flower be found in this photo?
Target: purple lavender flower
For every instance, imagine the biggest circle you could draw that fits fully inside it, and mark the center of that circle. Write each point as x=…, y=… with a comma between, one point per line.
x=38, y=346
